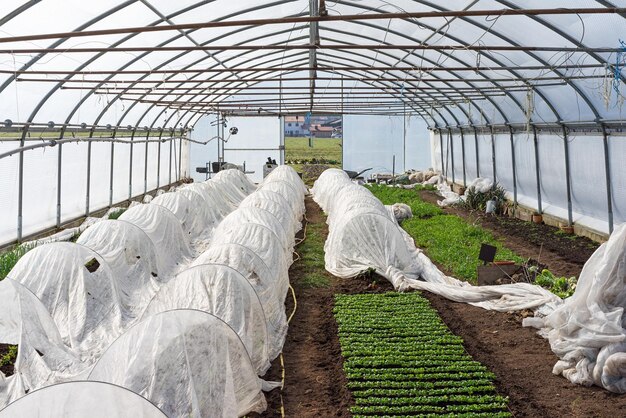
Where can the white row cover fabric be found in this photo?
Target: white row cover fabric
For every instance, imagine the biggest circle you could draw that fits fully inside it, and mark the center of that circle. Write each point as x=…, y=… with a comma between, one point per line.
x=78, y=288
x=67, y=303
x=236, y=178
x=181, y=207
x=247, y=263
x=225, y=293
x=191, y=365
x=81, y=399
x=132, y=257
x=587, y=331
x=165, y=231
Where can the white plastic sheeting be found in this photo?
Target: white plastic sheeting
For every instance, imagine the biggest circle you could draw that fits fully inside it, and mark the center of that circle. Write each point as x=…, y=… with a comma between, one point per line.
x=265, y=283
x=132, y=257
x=85, y=305
x=181, y=207
x=192, y=364
x=81, y=399
x=587, y=331
x=225, y=293
x=165, y=231
x=67, y=304
x=587, y=171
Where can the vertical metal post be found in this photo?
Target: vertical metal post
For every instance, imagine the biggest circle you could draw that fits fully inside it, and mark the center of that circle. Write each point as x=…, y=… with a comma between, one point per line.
x=88, y=193
x=393, y=169
x=607, y=173
x=169, y=179
x=477, y=153
x=451, y=147
x=568, y=181
x=514, y=170
x=217, y=125
x=145, y=165
x=493, y=155
x=130, y=166
x=463, y=157
x=159, y=160
x=537, y=171
x=404, y=138
x=112, y=164
x=282, y=139
x=441, y=150
x=20, y=188
x=59, y=183
x=180, y=158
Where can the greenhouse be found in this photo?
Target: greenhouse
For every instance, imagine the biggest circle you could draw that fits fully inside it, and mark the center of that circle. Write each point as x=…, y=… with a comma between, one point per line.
x=311, y=208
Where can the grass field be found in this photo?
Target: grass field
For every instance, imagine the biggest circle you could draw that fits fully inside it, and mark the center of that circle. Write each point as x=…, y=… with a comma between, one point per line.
x=297, y=149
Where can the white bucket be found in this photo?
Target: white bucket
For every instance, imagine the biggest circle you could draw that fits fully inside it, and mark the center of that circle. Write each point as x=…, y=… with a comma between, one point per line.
x=491, y=206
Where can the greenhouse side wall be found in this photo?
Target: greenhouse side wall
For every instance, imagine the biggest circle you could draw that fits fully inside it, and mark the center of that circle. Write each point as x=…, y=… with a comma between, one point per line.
x=45, y=206
x=513, y=158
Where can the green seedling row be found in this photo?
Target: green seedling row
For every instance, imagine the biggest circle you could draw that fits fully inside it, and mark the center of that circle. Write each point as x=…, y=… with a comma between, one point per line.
x=401, y=360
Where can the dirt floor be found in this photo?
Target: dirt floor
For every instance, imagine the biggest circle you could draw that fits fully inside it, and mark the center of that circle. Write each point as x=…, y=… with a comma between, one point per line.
x=315, y=385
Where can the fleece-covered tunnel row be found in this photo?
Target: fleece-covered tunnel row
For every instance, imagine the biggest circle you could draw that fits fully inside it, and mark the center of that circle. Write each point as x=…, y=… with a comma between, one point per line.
x=178, y=306
x=586, y=331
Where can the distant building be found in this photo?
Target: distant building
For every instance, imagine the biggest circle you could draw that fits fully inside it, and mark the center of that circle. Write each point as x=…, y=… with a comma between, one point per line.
x=320, y=126
x=295, y=126
x=319, y=131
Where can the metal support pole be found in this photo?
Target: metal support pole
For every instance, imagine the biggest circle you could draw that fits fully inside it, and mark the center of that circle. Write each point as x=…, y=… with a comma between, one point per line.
x=393, y=169
x=477, y=153
x=568, y=181
x=463, y=157
x=404, y=138
x=441, y=150
x=169, y=179
x=130, y=167
x=451, y=147
x=180, y=158
x=111, y=173
x=514, y=171
x=20, y=191
x=537, y=170
x=493, y=155
x=59, y=184
x=145, y=165
x=88, y=192
x=607, y=171
x=282, y=139
x=159, y=161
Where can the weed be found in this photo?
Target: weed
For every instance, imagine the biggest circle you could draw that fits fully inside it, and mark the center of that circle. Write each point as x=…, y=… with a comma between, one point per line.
x=475, y=200
x=9, y=357
x=390, y=195
x=9, y=258
x=455, y=244
x=312, y=261
x=116, y=214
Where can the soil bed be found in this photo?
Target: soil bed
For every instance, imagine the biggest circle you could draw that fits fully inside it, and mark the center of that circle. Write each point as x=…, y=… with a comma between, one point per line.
x=564, y=255
x=315, y=384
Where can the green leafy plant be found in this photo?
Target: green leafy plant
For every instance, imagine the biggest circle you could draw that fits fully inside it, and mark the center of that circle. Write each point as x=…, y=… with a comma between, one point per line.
x=390, y=195
x=116, y=214
x=9, y=258
x=9, y=357
x=563, y=287
x=401, y=359
x=476, y=200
